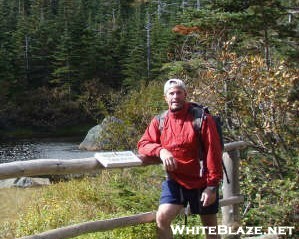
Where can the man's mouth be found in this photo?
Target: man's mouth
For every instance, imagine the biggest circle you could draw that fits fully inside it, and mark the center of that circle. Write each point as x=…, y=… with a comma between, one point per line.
x=176, y=104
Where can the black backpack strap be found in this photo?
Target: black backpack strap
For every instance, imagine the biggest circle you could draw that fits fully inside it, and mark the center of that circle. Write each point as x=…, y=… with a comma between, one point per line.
x=161, y=118
x=199, y=112
x=199, y=116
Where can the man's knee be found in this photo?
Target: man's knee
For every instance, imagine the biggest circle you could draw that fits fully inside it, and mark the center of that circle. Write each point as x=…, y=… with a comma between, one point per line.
x=162, y=218
x=166, y=213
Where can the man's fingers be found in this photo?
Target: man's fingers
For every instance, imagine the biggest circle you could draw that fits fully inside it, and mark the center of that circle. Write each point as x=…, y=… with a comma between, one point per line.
x=206, y=202
x=208, y=198
x=204, y=199
x=174, y=163
x=170, y=164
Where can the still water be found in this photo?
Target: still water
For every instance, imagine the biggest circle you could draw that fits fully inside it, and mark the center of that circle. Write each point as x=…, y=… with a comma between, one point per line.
x=27, y=149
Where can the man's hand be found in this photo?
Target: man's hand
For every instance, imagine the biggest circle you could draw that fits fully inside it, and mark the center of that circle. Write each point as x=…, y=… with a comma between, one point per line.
x=208, y=197
x=168, y=160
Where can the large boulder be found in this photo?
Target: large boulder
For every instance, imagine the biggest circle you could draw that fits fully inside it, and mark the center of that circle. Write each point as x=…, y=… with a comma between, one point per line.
x=96, y=138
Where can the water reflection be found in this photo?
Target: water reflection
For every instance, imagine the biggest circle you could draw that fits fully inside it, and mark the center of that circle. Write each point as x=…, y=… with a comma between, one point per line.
x=21, y=150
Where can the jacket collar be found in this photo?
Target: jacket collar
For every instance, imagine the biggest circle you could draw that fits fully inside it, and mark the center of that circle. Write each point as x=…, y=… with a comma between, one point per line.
x=180, y=113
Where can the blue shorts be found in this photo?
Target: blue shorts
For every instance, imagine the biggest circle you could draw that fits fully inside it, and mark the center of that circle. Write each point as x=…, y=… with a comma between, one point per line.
x=174, y=193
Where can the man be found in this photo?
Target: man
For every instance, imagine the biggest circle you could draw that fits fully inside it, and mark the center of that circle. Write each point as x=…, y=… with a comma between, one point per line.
x=177, y=145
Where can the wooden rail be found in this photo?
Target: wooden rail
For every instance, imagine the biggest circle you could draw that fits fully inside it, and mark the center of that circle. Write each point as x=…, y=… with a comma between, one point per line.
x=109, y=224
x=229, y=203
x=39, y=167
x=94, y=226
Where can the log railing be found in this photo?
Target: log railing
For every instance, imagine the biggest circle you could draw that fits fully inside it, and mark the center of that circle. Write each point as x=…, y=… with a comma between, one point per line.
x=229, y=203
x=39, y=167
x=95, y=226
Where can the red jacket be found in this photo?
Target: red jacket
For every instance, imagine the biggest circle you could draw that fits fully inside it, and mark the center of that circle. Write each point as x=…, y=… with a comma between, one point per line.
x=178, y=136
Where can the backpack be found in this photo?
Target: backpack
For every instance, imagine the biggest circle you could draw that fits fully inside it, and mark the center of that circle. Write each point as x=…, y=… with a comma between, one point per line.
x=199, y=113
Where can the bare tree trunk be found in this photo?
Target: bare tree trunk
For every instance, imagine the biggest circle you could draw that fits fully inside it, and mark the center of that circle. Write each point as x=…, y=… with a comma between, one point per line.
x=148, y=42
x=198, y=5
x=267, y=50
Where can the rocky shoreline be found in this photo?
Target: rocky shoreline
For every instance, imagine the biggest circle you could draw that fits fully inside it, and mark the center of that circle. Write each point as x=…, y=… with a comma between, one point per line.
x=94, y=140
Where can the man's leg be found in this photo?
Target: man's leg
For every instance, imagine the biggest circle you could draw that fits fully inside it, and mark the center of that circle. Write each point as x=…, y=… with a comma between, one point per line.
x=210, y=220
x=208, y=214
x=166, y=213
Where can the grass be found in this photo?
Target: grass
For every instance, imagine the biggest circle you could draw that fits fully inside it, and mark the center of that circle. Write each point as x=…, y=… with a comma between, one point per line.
x=116, y=193
x=13, y=200
x=113, y=193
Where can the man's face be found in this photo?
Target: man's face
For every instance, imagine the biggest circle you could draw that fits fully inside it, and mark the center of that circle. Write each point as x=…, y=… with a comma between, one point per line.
x=175, y=98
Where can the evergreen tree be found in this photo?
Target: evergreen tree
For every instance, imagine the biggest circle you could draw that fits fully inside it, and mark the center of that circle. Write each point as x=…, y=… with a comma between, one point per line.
x=161, y=36
x=22, y=46
x=134, y=65
x=63, y=45
x=65, y=74
x=42, y=42
x=7, y=25
x=258, y=26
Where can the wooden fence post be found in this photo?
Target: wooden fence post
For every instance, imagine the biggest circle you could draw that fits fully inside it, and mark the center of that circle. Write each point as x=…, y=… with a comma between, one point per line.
x=230, y=202
x=231, y=213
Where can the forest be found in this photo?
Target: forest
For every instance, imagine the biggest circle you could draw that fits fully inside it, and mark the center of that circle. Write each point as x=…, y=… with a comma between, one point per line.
x=104, y=47
x=68, y=57
x=73, y=57
x=66, y=63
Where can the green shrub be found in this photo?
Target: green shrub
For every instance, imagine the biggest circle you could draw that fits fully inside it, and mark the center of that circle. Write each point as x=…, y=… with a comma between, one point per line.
x=269, y=201
x=141, y=104
x=136, y=109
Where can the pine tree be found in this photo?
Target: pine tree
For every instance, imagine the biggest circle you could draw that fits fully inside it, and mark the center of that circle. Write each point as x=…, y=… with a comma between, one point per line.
x=7, y=25
x=161, y=35
x=258, y=26
x=42, y=42
x=22, y=46
x=134, y=65
x=65, y=74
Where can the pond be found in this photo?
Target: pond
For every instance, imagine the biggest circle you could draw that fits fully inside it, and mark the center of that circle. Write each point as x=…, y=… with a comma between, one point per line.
x=28, y=149
x=46, y=148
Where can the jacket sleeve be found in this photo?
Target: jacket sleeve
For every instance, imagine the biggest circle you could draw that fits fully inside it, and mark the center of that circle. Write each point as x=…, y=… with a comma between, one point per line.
x=150, y=144
x=212, y=151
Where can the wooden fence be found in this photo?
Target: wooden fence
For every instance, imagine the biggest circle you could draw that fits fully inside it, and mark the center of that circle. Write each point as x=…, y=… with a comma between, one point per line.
x=229, y=203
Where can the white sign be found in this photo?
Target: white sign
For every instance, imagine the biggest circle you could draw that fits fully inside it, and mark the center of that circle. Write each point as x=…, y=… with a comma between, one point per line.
x=117, y=159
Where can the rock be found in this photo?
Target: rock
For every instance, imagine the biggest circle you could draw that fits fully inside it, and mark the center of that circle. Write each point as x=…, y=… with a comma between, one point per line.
x=90, y=141
x=96, y=137
x=24, y=182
